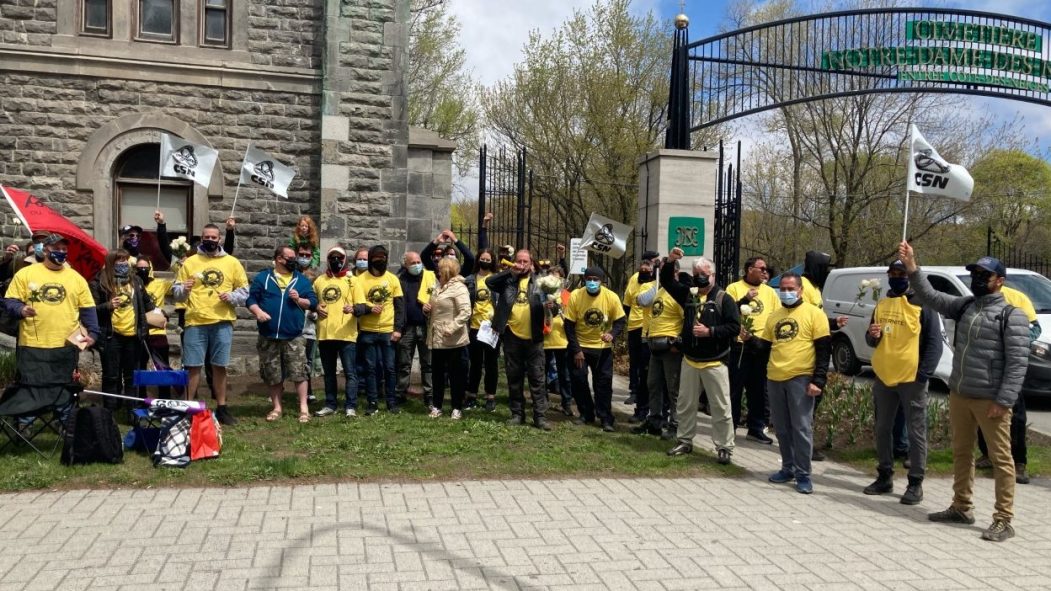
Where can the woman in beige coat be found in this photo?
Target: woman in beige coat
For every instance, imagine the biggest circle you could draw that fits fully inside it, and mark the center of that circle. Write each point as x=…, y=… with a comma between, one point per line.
x=448, y=318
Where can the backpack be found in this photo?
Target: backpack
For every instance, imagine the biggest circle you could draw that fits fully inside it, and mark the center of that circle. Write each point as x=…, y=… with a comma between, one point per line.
x=92, y=437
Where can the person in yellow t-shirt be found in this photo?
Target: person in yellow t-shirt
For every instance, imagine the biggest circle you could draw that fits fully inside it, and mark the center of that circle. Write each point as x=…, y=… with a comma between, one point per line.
x=380, y=307
x=800, y=341
x=594, y=318
x=748, y=358
x=556, y=346
x=484, y=359
x=121, y=304
x=638, y=352
x=157, y=340
x=664, y=317
x=518, y=317
x=213, y=284
x=337, y=331
x=907, y=339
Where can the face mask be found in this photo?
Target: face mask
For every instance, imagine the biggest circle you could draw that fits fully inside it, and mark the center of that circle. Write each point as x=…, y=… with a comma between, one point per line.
x=335, y=265
x=379, y=265
x=980, y=286
x=57, y=257
x=592, y=286
x=209, y=245
x=131, y=242
x=281, y=265
x=416, y=268
x=788, y=298
x=898, y=284
x=38, y=251
x=361, y=265
x=485, y=265
x=702, y=281
x=645, y=277
x=121, y=269
x=303, y=262
x=143, y=273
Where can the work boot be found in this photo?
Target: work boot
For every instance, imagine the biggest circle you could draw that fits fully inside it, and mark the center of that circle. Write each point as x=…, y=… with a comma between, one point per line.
x=646, y=428
x=914, y=492
x=516, y=421
x=999, y=531
x=884, y=483
x=952, y=515
x=541, y=423
x=222, y=414
x=1021, y=476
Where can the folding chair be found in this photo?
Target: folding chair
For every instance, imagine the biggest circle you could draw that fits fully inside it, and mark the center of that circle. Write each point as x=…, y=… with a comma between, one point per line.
x=147, y=423
x=41, y=399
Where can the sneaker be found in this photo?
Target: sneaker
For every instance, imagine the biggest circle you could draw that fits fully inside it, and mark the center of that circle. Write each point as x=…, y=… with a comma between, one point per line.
x=457, y=415
x=393, y=409
x=758, y=437
x=723, y=456
x=311, y=398
x=998, y=531
x=608, y=427
x=324, y=412
x=817, y=455
x=983, y=463
x=781, y=477
x=1021, y=476
x=804, y=486
x=470, y=403
x=646, y=428
x=516, y=421
x=490, y=405
x=372, y=409
x=952, y=515
x=351, y=413
x=435, y=413
x=680, y=450
x=224, y=417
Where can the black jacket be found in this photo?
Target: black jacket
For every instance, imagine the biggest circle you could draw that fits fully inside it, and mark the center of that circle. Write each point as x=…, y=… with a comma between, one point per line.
x=465, y=251
x=504, y=287
x=140, y=299
x=719, y=312
x=410, y=288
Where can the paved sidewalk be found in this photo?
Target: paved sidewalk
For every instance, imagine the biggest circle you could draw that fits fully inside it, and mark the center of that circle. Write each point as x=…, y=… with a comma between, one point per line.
x=507, y=535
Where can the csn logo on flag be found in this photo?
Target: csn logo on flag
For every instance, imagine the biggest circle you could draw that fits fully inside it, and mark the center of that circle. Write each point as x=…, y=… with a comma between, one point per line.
x=185, y=160
x=930, y=174
x=263, y=170
x=605, y=236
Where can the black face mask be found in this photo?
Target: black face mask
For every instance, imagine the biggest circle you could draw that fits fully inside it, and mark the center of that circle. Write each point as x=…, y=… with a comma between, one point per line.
x=485, y=265
x=143, y=273
x=335, y=265
x=379, y=265
x=980, y=286
x=645, y=277
x=702, y=281
x=209, y=245
x=132, y=246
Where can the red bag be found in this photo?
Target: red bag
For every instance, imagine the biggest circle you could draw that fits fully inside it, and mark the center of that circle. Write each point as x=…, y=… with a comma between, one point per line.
x=205, y=439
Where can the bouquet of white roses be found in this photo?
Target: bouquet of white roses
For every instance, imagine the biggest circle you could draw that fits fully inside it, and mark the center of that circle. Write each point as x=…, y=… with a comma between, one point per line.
x=180, y=247
x=550, y=286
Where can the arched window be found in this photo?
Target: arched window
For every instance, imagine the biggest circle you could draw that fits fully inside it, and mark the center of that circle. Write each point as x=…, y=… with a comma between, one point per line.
x=136, y=186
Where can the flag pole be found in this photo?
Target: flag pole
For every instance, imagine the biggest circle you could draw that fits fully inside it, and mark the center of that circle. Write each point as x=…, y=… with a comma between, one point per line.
x=238, y=189
x=160, y=170
x=905, y=226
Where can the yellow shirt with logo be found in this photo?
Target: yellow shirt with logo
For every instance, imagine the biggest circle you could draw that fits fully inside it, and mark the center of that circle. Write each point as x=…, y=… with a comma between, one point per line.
x=334, y=293
x=123, y=318
x=791, y=333
x=1021, y=301
x=812, y=295
x=427, y=283
x=556, y=339
x=483, y=305
x=666, y=316
x=520, y=321
x=765, y=303
x=593, y=315
x=637, y=317
x=213, y=276
x=897, y=356
x=377, y=291
x=158, y=290
x=57, y=297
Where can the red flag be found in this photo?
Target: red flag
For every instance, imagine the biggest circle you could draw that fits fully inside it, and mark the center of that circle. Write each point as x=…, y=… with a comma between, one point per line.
x=86, y=256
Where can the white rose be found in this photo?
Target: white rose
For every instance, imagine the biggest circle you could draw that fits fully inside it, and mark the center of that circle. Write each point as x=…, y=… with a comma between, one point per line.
x=33, y=286
x=874, y=283
x=746, y=310
x=865, y=284
x=693, y=291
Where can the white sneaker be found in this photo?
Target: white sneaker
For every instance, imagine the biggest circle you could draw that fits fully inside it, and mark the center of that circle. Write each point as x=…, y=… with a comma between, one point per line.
x=324, y=412
x=457, y=415
x=436, y=412
x=351, y=413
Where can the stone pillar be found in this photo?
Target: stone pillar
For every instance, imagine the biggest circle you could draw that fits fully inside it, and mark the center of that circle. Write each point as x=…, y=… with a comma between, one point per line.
x=677, y=201
x=429, y=198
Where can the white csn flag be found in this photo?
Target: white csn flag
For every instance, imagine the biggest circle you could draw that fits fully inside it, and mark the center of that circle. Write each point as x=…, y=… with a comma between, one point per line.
x=262, y=170
x=186, y=160
x=929, y=174
x=605, y=236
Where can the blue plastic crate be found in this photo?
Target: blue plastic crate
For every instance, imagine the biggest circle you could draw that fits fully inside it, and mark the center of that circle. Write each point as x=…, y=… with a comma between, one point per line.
x=167, y=377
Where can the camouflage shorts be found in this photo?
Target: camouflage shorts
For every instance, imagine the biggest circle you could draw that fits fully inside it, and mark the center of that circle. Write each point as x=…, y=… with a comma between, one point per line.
x=282, y=360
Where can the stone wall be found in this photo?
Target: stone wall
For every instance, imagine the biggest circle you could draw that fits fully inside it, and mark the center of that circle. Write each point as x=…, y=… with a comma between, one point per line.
x=286, y=32
x=28, y=22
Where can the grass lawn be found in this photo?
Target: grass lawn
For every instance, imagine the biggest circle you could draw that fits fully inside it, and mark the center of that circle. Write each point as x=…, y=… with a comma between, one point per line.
x=384, y=447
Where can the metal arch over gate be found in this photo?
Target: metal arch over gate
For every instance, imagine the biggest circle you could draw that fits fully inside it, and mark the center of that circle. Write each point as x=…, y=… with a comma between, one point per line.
x=856, y=52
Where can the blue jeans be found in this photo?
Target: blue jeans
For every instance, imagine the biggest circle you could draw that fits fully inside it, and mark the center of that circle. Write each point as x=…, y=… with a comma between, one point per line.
x=379, y=357
x=347, y=353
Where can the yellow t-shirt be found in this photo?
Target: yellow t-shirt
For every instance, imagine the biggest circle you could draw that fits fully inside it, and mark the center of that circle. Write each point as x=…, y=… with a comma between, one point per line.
x=158, y=290
x=57, y=297
x=666, y=316
x=377, y=291
x=214, y=276
x=812, y=295
x=637, y=317
x=792, y=332
x=765, y=303
x=520, y=321
x=333, y=293
x=556, y=339
x=427, y=284
x=897, y=356
x=1021, y=301
x=123, y=318
x=282, y=279
x=593, y=315
x=483, y=306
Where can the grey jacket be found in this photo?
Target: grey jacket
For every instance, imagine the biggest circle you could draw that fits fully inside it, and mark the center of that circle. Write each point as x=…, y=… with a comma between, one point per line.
x=984, y=364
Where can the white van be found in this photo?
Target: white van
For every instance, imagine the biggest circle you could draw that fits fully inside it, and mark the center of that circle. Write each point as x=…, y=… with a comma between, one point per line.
x=850, y=351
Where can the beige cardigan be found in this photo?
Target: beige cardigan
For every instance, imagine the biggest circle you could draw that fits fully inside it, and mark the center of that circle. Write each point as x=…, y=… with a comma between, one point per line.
x=450, y=315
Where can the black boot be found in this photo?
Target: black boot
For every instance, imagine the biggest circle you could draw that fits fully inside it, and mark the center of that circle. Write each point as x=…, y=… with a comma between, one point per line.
x=914, y=492
x=1021, y=476
x=428, y=401
x=884, y=483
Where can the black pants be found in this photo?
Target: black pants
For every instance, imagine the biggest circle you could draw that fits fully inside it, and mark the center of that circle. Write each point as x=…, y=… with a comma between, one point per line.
x=120, y=358
x=483, y=358
x=524, y=359
x=748, y=373
x=638, y=372
x=565, y=374
x=448, y=365
x=1018, y=447
x=158, y=344
x=600, y=363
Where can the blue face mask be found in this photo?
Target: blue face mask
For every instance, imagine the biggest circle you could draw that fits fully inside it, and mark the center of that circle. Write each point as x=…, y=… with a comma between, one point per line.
x=38, y=251
x=121, y=269
x=898, y=284
x=416, y=268
x=57, y=257
x=788, y=298
x=592, y=286
x=361, y=265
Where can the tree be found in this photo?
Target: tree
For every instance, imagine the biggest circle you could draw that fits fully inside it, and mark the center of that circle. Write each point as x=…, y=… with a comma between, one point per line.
x=442, y=94
x=1012, y=194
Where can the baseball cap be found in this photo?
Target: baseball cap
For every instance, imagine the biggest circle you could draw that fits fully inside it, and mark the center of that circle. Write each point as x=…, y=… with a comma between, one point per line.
x=336, y=250
x=897, y=266
x=650, y=254
x=595, y=272
x=991, y=264
x=53, y=239
x=129, y=228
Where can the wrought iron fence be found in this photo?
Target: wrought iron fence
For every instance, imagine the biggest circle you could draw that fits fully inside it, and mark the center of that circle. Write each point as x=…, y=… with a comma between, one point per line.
x=1012, y=256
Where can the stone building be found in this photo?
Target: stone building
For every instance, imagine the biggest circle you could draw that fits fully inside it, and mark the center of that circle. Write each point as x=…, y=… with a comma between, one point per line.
x=87, y=86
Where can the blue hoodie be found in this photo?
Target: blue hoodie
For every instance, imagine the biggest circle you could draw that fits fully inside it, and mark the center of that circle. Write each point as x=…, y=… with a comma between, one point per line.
x=286, y=317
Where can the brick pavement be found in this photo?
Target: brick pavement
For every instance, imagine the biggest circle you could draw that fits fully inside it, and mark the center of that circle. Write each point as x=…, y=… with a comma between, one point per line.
x=703, y=533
